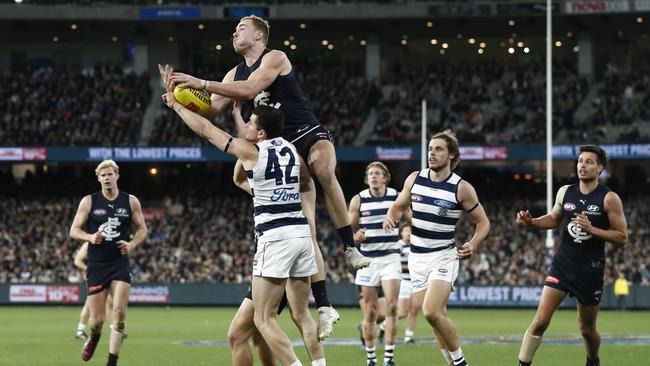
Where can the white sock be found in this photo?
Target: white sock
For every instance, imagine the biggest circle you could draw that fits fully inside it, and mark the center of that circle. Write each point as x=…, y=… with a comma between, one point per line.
x=297, y=363
x=457, y=356
x=320, y=362
x=382, y=325
x=408, y=333
x=529, y=346
x=81, y=326
x=447, y=356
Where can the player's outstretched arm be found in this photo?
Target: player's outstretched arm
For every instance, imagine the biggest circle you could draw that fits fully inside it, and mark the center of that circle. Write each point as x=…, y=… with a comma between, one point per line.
x=240, y=124
x=241, y=148
x=617, y=232
x=80, y=257
x=401, y=204
x=80, y=218
x=271, y=66
x=549, y=221
x=470, y=203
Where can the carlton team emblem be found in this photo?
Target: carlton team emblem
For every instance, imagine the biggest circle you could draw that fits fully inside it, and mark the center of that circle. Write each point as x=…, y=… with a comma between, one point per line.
x=107, y=229
x=569, y=206
x=577, y=234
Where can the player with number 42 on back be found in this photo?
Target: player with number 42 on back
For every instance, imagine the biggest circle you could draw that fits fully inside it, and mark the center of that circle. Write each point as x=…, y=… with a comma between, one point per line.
x=285, y=252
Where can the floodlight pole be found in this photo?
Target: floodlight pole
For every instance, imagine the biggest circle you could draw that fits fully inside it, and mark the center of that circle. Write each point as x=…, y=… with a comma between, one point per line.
x=549, y=122
x=423, y=136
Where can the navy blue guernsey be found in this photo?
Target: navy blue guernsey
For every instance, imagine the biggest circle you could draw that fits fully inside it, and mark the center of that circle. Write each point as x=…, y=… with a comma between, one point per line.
x=283, y=94
x=579, y=249
x=113, y=220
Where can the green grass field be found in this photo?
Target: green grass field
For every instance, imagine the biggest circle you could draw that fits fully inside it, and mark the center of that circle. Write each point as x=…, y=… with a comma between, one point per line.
x=39, y=336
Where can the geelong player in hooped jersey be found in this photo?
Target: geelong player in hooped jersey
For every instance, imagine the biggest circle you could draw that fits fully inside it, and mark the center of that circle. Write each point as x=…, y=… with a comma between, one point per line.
x=407, y=305
x=590, y=214
x=437, y=197
x=285, y=253
x=104, y=219
x=367, y=212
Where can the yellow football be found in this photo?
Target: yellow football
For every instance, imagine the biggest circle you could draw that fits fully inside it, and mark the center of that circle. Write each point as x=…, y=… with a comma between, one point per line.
x=195, y=100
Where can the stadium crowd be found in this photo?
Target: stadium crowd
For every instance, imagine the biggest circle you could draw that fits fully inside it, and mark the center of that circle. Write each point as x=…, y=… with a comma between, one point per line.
x=195, y=239
x=103, y=106
x=485, y=103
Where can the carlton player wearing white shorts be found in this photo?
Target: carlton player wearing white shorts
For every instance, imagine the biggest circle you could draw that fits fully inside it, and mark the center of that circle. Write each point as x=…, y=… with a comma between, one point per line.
x=437, y=197
x=284, y=246
x=367, y=212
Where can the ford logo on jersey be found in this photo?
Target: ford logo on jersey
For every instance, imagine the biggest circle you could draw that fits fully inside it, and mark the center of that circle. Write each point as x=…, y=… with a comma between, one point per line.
x=443, y=203
x=284, y=194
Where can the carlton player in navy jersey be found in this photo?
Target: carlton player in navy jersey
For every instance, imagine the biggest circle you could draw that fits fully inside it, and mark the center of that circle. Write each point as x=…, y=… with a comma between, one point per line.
x=104, y=220
x=285, y=250
x=267, y=77
x=590, y=215
x=437, y=197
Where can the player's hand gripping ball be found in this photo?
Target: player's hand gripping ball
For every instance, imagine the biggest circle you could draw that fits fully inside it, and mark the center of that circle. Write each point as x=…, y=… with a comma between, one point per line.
x=197, y=101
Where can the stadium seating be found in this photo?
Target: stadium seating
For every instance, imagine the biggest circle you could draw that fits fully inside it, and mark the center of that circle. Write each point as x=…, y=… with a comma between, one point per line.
x=211, y=240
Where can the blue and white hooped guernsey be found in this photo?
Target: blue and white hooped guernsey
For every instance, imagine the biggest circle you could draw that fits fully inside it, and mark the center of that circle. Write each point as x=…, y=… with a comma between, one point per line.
x=275, y=183
x=372, y=213
x=404, y=260
x=436, y=211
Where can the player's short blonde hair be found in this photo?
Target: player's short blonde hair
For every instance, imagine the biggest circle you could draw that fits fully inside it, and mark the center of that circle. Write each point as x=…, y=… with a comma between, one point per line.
x=380, y=165
x=452, y=145
x=108, y=163
x=260, y=24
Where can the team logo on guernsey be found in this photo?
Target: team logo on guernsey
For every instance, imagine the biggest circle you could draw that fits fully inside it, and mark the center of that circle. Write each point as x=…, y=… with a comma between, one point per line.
x=99, y=212
x=416, y=197
x=107, y=229
x=264, y=98
x=569, y=206
x=443, y=203
x=284, y=194
x=593, y=208
x=576, y=233
x=442, y=211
